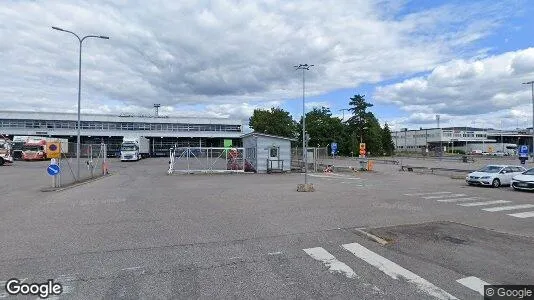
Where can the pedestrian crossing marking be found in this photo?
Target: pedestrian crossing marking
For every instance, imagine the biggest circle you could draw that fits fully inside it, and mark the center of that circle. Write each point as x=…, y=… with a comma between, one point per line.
x=395, y=271
x=444, y=196
x=430, y=193
x=527, y=214
x=334, y=265
x=459, y=199
x=501, y=208
x=474, y=283
x=485, y=203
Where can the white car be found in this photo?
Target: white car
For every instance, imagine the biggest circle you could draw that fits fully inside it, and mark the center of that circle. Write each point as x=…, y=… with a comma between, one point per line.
x=494, y=175
x=524, y=181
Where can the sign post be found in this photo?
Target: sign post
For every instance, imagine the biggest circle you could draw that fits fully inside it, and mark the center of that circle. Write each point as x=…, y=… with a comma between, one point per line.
x=334, y=149
x=523, y=154
x=53, y=170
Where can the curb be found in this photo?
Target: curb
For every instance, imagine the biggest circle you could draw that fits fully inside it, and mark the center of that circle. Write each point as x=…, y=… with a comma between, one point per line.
x=60, y=189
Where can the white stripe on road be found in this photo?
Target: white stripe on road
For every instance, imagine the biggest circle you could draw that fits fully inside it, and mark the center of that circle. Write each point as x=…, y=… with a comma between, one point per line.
x=485, y=203
x=458, y=199
x=445, y=196
x=334, y=265
x=527, y=214
x=432, y=193
x=395, y=271
x=474, y=283
x=501, y=208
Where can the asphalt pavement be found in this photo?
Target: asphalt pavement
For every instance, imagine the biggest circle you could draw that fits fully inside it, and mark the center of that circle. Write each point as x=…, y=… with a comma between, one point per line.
x=142, y=234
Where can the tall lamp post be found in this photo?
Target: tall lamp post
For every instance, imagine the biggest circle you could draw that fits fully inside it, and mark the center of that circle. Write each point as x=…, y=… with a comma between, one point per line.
x=304, y=68
x=79, y=91
x=532, y=93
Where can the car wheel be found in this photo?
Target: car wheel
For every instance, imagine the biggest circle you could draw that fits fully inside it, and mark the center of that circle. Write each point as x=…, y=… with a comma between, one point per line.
x=496, y=183
x=1, y=161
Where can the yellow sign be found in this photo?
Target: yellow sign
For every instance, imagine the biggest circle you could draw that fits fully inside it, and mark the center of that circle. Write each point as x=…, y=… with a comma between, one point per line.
x=362, y=146
x=53, y=150
x=491, y=149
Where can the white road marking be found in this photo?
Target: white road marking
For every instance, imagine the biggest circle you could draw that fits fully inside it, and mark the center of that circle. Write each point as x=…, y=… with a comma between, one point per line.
x=445, y=196
x=501, y=208
x=395, y=271
x=432, y=193
x=485, y=203
x=474, y=283
x=275, y=253
x=527, y=214
x=334, y=265
x=130, y=269
x=458, y=199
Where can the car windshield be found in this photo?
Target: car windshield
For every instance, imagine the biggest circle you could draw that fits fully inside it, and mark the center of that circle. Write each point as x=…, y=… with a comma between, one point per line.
x=31, y=148
x=529, y=172
x=490, y=169
x=128, y=148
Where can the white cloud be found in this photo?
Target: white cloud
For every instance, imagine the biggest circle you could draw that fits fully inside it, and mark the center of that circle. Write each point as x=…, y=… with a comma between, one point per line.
x=317, y=104
x=486, y=89
x=222, y=52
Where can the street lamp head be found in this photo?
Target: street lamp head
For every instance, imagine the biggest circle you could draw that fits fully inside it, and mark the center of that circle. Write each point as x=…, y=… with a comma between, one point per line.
x=530, y=82
x=104, y=37
x=57, y=28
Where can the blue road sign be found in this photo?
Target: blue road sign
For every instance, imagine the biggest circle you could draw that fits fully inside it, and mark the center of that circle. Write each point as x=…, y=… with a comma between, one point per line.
x=334, y=148
x=53, y=170
x=523, y=151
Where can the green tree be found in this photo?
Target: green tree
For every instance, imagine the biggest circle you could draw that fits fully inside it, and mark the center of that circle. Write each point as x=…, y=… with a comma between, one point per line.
x=362, y=125
x=322, y=128
x=275, y=121
x=372, y=136
x=387, y=141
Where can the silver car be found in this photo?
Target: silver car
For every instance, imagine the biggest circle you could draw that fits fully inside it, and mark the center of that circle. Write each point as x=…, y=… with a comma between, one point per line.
x=524, y=181
x=494, y=175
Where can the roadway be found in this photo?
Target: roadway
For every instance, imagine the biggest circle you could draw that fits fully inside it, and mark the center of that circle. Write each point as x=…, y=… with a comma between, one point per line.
x=143, y=234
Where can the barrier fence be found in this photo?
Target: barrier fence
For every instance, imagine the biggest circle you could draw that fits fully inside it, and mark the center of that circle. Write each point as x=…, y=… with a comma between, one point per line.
x=207, y=160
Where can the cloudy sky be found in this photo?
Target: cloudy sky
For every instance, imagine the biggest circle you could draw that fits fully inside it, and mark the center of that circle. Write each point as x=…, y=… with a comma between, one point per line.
x=464, y=60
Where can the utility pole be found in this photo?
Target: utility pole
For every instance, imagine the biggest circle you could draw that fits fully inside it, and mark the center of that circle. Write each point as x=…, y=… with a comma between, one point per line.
x=304, y=68
x=532, y=93
x=79, y=91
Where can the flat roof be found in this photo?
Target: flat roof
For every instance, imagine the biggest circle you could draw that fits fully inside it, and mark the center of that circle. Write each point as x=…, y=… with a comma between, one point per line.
x=33, y=115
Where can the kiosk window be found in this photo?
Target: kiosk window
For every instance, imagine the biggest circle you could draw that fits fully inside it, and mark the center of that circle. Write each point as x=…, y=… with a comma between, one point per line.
x=273, y=152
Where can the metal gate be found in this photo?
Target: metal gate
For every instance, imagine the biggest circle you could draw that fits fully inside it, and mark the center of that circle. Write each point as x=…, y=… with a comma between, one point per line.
x=206, y=160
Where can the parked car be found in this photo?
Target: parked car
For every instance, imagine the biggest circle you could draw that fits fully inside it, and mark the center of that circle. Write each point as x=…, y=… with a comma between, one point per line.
x=494, y=175
x=524, y=181
x=499, y=153
x=485, y=153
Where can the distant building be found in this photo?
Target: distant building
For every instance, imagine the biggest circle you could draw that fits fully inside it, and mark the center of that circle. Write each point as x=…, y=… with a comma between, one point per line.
x=163, y=132
x=460, y=138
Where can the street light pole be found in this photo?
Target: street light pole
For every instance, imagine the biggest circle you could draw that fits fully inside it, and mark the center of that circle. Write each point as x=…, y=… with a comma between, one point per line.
x=304, y=68
x=532, y=93
x=80, y=40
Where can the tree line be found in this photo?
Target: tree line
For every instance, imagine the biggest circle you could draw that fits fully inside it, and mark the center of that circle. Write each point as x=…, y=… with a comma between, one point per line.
x=323, y=129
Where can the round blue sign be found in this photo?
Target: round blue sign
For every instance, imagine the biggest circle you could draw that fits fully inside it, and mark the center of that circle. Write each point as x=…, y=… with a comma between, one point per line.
x=52, y=147
x=53, y=170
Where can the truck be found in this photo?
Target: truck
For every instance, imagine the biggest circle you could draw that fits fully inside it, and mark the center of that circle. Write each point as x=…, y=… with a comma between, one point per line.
x=34, y=148
x=134, y=148
x=6, y=150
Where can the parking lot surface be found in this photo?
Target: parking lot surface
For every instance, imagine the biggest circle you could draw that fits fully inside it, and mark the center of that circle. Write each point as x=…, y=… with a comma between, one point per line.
x=362, y=235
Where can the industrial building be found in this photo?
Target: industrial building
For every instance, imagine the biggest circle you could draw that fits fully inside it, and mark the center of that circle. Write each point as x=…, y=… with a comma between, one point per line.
x=461, y=138
x=162, y=131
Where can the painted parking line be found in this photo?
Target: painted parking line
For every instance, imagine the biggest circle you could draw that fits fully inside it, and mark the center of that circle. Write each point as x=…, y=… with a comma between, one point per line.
x=485, y=203
x=527, y=214
x=445, y=196
x=430, y=193
x=501, y=208
x=330, y=261
x=395, y=271
x=459, y=199
x=474, y=283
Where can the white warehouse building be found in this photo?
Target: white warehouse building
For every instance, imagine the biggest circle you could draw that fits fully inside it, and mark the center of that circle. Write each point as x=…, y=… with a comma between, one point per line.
x=162, y=131
x=460, y=138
